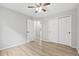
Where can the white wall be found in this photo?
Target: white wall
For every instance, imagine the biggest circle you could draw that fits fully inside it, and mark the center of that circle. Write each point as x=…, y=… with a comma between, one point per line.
x=12, y=28
x=77, y=27
x=53, y=30
x=73, y=14
x=44, y=29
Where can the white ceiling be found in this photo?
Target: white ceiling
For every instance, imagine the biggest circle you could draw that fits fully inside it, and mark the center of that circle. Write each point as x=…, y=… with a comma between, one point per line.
x=52, y=9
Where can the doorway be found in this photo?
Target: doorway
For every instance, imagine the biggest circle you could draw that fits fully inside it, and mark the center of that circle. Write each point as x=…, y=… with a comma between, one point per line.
x=34, y=31
x=64, y=30
x=38, y=31
x=59, y=30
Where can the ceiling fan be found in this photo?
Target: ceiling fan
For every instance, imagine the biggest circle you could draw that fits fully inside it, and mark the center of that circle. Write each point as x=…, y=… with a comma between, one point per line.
x=40, y=7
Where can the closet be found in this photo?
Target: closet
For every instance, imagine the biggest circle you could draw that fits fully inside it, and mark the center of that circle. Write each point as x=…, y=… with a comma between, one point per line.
x=64, y=29
x=30, y=30
x=33, y=33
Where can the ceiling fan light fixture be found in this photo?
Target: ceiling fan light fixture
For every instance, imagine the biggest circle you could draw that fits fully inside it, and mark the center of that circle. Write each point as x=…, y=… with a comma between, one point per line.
x=39, y=9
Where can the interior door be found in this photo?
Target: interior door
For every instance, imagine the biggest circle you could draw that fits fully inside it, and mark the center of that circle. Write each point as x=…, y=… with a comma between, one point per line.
x=37, y=30
x=68, y=25
x=65, y=30
x=30, y=30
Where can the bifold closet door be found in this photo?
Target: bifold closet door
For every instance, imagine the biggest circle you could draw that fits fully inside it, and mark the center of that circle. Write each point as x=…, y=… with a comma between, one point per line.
x=30, y=30
x=64, y=30
x=37, y=30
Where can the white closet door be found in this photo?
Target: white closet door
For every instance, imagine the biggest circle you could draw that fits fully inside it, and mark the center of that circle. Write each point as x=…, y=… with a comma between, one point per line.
x=37, y=29
x=65, y=30
x=30, y=30
x=68, y=25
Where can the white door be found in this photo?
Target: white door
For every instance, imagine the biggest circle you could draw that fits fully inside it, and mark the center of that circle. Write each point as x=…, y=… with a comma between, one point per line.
x=68, y=25
x=37, y=30
x=30, y=30
x=65, y=30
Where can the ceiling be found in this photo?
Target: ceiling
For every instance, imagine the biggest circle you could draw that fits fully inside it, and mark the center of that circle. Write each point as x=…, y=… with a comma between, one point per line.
x=51, y=9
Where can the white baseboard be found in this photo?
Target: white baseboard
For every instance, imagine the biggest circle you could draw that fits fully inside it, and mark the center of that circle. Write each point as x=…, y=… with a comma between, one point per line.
x=59, y=43
x=14, y=45
x=78, y=50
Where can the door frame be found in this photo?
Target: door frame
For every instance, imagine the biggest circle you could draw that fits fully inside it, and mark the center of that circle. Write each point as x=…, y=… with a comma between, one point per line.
x=70, y=29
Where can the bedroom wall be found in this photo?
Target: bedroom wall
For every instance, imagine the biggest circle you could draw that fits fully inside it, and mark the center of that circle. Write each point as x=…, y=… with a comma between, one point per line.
x=78, y=27
x=12, y=28
x=73, y=14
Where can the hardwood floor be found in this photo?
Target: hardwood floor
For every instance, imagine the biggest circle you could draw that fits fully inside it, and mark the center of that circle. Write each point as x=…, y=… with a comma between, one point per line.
x=43, y=49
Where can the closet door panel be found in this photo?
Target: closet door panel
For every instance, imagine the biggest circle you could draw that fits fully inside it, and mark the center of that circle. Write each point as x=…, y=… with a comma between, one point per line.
x=68, y=30
x=30, y=30
x=65, y=30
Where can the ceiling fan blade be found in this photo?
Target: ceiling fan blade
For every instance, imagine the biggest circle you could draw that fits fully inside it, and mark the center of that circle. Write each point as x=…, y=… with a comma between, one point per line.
x=44, y=10
x=31, y=6
x=46, y=4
